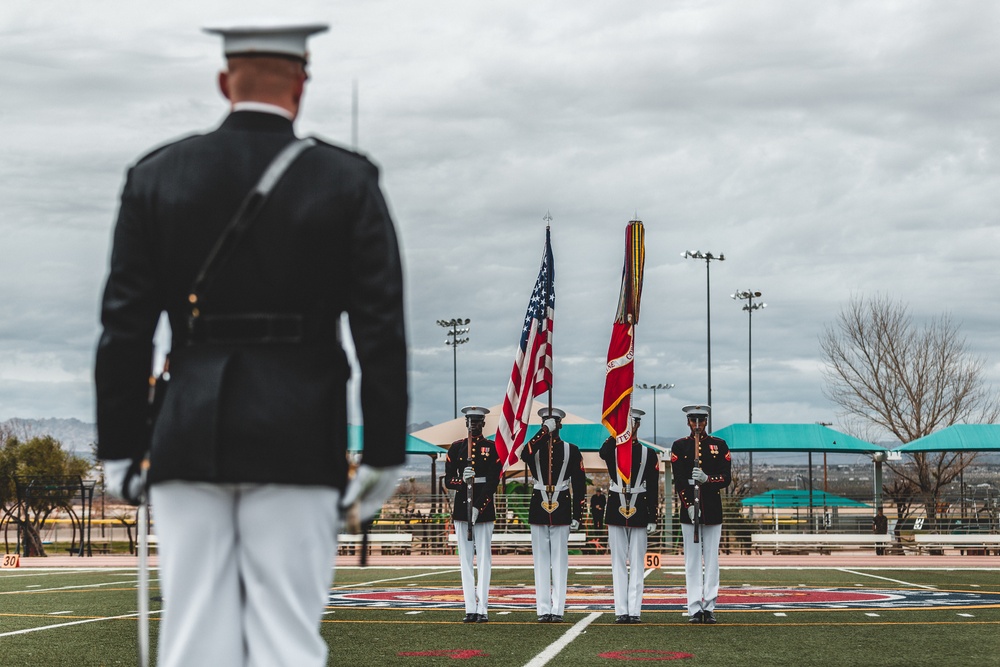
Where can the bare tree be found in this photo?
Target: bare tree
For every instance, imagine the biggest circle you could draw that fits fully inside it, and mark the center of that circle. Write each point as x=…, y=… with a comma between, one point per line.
x=889, y=375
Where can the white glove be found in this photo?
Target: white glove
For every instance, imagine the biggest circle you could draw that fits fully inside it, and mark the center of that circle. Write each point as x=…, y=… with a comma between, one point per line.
x=650, y=528
x=574, y=525
x=550, y=424
x=125, y=479
x=475, y=514
x=369, y=488
x=691, y=513
x=468, y=474
x=699, y=475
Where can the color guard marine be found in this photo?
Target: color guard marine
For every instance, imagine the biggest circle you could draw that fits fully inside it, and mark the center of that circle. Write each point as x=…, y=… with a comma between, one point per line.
x=631, y=518
x=472, y=470
x=558, y=499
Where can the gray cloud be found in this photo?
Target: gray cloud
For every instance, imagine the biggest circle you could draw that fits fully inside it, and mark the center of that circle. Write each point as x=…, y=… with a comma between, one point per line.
x=827, y=150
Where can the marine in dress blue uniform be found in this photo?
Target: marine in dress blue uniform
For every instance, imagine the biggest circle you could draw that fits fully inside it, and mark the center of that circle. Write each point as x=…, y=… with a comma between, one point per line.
x=558, y=498
x=483, y=471
x=247, y=459
x=631, y=518
x=705, y=469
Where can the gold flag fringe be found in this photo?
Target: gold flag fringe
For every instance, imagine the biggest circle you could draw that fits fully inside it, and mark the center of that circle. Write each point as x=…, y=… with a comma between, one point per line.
x=635, y=258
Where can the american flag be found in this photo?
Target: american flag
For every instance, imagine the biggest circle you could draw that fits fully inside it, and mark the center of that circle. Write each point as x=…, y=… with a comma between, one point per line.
x=532, y=373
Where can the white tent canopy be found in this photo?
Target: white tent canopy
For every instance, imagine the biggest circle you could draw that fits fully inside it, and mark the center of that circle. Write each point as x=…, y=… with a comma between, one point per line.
x=445, y=433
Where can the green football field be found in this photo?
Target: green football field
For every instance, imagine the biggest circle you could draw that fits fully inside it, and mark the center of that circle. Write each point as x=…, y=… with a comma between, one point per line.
x=411, y=616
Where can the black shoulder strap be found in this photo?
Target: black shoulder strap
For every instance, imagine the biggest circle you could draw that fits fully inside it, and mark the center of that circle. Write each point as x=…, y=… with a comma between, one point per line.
x=245, y=215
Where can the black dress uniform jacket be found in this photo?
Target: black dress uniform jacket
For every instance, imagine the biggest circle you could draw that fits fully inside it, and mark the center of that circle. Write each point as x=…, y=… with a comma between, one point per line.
x=645, y=503
x=571, y=501
x=486, y=463
x=716, y=462
x=324, y=244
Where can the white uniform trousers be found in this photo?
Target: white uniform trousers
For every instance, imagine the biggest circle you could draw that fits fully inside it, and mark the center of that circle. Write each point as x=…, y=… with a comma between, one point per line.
x=550, y=553
x=476, y=596
x=628, y=553
x=245, y=572
x=702, y=586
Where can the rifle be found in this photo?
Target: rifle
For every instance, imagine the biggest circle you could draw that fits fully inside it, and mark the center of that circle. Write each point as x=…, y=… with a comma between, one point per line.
x=697, y=489
x=470, y=491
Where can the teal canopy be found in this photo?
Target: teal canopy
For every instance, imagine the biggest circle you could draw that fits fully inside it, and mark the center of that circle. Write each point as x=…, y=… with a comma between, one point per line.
x=791, y=438
x=785, y=498
x=957, y=438
x=355, y=440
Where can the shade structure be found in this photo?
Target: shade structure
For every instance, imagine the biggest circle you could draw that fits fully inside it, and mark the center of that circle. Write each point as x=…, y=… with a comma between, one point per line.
x=785, y=498
x=957, y=438
x=356, y=436
x=445, y=433
x=792, y=438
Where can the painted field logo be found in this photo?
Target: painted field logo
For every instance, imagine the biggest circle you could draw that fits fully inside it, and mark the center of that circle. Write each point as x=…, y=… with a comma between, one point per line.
x=672, y=598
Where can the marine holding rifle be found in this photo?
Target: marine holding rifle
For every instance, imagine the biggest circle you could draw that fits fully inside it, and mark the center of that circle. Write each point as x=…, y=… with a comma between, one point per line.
x=473, y=472
x=702, y=467
x=558, y=497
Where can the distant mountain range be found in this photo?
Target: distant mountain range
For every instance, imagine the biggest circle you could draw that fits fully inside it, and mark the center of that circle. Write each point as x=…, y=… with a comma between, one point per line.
x=74, y=435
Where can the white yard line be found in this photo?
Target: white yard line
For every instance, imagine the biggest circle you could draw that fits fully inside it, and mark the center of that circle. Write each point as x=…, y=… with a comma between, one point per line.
x=895, y=581
x=553, y=649
x=66, y=625
x=382, y=581
x=70, y=588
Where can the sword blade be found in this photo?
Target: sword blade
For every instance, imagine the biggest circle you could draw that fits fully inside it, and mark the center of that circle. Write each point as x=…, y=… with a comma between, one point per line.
x=143, y=584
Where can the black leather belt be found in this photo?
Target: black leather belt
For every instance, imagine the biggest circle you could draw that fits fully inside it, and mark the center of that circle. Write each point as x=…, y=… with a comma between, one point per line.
x=249, y=328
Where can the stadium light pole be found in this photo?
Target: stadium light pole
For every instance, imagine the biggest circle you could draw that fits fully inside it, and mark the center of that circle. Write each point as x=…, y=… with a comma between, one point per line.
x=454, y=340
x=654, y=387
x=708, y=257
x=749, y=307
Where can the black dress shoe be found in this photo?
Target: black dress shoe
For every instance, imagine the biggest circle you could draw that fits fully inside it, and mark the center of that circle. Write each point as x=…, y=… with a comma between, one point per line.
x=709, y=618
x=697, y=618
x=634, y=620
x=482, y=618
x=621, y=620
x=555, y=618
x=470, y=618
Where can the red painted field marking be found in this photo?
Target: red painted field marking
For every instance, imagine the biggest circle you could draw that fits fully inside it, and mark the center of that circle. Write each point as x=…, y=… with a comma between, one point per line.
x=645, y=655
x=454, y=653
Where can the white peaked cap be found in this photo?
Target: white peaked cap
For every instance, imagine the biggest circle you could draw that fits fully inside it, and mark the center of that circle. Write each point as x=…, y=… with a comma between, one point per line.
x=475, y=412
x=267, y=40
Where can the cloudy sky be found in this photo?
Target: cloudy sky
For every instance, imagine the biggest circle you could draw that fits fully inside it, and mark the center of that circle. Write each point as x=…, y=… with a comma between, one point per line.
x=828, y=149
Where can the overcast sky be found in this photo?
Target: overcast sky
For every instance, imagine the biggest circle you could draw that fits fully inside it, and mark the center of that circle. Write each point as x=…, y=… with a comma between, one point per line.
x=827, y=149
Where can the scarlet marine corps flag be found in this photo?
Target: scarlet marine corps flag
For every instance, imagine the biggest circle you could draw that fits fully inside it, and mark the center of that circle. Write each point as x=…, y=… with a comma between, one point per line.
x=620, y=377
x=532, y=373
